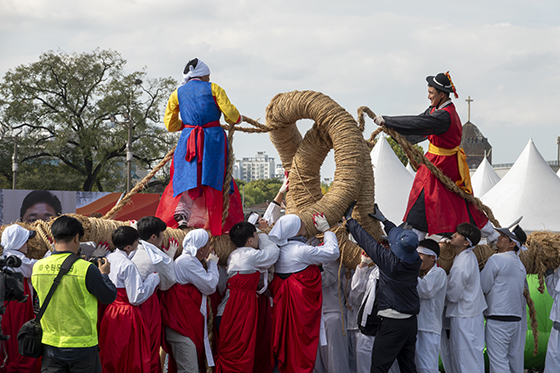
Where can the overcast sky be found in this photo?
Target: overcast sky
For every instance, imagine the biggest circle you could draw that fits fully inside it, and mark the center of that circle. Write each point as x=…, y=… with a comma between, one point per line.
x=504, y=54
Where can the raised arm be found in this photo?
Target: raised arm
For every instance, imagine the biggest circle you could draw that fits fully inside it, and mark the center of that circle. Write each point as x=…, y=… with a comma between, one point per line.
x=424, y=124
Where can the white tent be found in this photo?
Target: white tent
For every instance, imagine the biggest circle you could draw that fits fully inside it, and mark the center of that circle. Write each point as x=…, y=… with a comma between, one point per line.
x=530, y=189
x=484, y=178
x=392, y=181
x=410, y=169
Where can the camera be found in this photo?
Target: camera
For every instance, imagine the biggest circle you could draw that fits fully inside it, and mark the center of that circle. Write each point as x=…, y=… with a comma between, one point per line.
x=93, y=260
x=11, y=285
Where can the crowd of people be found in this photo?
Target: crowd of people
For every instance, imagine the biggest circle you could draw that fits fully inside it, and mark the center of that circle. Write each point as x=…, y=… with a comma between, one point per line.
x=282, y=302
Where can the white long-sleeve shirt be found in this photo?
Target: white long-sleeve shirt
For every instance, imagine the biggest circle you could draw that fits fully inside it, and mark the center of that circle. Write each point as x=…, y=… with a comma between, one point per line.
x=553, y=286
x=295, y=256
x=272, y=213
x=189, y=270
x=246, y=260
x=124, y=274
x=431, y=290
x=503, y=281
x=150, y=259
x=464, y=293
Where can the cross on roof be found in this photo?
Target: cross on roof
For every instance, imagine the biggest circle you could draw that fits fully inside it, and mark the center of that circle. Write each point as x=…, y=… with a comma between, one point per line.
x=469, y=100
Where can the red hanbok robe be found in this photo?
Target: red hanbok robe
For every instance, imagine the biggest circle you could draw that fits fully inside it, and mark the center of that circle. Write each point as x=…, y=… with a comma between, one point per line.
x=296, y=320
x=238, y=328
x=124, y=342
x=443, y=209
x=263, y=349
x=16, y=315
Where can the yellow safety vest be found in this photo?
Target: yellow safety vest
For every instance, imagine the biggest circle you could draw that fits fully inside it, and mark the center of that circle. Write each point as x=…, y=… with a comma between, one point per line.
x=465, y=181
x=70, y=319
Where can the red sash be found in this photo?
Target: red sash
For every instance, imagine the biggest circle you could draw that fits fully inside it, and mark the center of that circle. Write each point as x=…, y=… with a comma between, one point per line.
x=123, y=338
x=296, y=320
x=238, y=332
x=197, y=137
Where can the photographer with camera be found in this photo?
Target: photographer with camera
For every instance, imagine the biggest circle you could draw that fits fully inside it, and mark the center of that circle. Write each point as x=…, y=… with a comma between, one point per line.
x=70, y=320
x=14, y=242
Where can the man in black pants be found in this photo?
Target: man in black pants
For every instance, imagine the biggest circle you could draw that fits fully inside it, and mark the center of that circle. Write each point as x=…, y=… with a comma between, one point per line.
x=398, y=301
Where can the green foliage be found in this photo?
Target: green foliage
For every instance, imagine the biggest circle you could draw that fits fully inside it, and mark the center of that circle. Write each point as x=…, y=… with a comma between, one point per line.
x=325, y=187
x=259, y=191
x=399, y=150
x=61, y=105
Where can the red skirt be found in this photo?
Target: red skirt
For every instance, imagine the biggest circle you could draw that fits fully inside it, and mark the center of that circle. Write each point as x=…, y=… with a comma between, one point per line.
x=181, y=312
x=151, y=312
x=296, y=320
x=238, y=332
x=444, y=209
x=263, y=349
x=124, y=342
x=16, y=315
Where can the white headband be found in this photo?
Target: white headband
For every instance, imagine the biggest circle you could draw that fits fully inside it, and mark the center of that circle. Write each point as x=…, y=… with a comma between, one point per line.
x=426, y=251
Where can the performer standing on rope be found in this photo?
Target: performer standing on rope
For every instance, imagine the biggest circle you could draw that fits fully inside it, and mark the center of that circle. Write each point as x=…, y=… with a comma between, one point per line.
x=195, y=194
x=297, y=292
x=432, y=208
x=503, y=281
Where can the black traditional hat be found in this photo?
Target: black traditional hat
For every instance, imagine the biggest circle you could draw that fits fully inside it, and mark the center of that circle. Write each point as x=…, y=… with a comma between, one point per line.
x=443, y=83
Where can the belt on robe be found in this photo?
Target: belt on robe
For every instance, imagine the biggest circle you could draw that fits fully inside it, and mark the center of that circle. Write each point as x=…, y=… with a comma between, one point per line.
x=197, y=137
x=465, y=181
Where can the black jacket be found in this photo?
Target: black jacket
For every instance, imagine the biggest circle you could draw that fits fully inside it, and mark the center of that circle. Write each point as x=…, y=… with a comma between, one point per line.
x=397, y=279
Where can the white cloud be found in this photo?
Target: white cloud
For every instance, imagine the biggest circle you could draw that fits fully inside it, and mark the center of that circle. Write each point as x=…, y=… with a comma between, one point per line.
x=502, y=53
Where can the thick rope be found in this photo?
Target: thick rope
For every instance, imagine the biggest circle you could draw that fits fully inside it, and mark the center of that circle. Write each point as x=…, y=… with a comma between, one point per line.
x=534, y=322
x=229, y=175
x=138, y=187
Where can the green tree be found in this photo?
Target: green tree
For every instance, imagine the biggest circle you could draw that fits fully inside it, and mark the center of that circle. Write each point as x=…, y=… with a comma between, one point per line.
x=258, y=191
x=399, y=150
x=63, y=103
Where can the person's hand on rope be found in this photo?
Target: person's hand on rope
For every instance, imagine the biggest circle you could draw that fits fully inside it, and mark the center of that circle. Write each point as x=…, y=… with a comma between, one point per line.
x=321, y=222
x=171, y=248
x=349, y=211
x=377, y=214
x=379, y=120
x=263, y=224
x=101, y=250
x=365, y=260
x=213, y=257
x=285, y=186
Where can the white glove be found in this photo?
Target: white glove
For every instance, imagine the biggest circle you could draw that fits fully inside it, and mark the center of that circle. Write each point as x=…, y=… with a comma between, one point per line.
x=366, y=259
x=321, y=222
x=379, y=120
x=171, y=249
x=101, y=250
x=351, y=238
x=212, y=257
x=285, y=186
